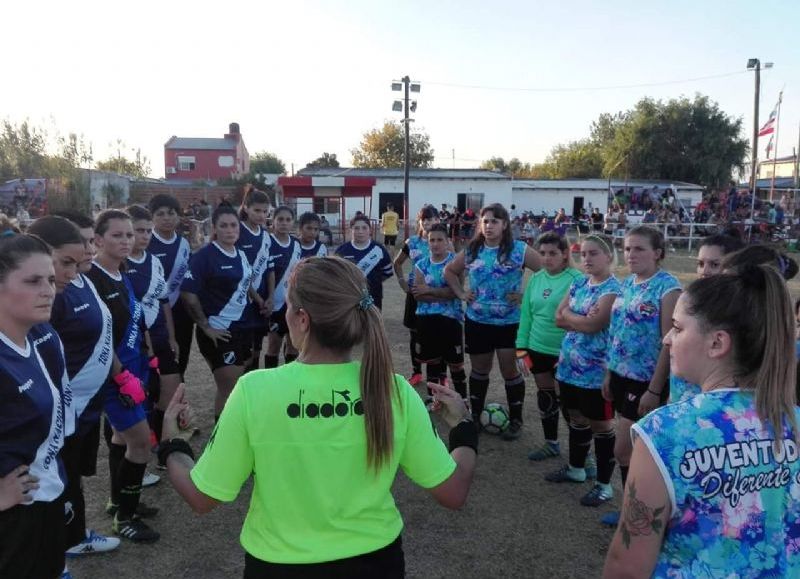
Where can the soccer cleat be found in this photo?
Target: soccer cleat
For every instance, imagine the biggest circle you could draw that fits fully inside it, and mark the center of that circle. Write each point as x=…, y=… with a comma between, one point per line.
x=597, y=496
x=514, y=430
x=93, y=543
x=545, y=451
x=135, y=530
x=65, y=574
x=610, y=519
x=150, y=479
x=566, y=474
x=415, y=379
x=142, y=510
x=590, y=467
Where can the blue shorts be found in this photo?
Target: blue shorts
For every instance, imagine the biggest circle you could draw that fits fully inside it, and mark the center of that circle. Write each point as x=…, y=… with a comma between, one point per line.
x=120, y=417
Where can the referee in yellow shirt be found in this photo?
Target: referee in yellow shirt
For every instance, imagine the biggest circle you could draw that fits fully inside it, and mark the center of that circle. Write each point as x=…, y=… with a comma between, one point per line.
x=389, y=221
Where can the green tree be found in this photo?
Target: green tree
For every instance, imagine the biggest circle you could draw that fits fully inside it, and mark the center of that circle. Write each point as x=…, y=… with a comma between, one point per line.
x=266, y=162
x=575, y=160
x=513, y=167
x=326, y=160
x=139, y=166
x=384, y=147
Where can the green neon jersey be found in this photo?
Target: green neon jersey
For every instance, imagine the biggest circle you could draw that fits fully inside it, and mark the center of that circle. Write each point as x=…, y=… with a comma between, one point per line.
x=299, y=429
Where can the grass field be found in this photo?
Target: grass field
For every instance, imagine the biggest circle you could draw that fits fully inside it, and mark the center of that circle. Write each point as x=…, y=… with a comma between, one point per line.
x=514, y=525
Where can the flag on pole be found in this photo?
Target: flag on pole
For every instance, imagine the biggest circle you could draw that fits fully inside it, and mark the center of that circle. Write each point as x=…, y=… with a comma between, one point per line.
x=770, y=145
x=769, y=126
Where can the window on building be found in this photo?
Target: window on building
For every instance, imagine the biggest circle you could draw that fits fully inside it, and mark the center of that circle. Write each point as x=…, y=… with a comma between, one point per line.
x=226, y=161
x=186, y=163
x=326, y=205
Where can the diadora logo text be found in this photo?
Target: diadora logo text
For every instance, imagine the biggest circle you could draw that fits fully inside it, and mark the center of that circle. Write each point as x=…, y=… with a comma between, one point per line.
x=339, y=406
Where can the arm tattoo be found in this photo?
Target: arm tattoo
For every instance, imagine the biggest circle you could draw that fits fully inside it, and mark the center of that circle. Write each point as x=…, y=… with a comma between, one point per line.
x=639, y=519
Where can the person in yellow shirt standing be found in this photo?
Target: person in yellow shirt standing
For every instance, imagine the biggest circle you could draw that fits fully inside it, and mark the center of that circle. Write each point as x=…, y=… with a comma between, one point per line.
x=389, y=221
x=323, y=438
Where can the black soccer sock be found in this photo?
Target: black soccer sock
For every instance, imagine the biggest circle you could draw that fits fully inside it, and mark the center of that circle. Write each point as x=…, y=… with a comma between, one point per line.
x=413, y=348
x=270, y=361
x=515, y=394
x=478, y=387
x=157, y=422
x=433, y=373
x=604, y=452
x=116, y=453
x=253, y=364
x=623, y=471
x=459, y=378
x=580, y=440
x=548, y=412
x=130, y=488
x=287, y=358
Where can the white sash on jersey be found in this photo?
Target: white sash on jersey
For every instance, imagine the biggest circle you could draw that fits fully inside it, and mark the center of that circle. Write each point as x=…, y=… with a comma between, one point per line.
x=232, y=312
x=283, y=285
x=261, y=261
x=156, y=290
x=369, y=261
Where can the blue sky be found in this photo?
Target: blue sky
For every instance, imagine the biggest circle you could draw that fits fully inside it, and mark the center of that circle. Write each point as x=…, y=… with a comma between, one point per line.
x=303, y=77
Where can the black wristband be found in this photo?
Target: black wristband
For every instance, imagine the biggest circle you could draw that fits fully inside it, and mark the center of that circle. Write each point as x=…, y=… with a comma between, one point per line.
x=173, y=445
x=465, y=433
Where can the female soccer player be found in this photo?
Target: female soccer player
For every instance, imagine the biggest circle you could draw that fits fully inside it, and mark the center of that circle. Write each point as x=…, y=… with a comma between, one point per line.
x=439, y=315
x=310, y=245
x=346, y=423
x=173, y=251
x=369, y=256
x=585, y=312
x=84, y=325
x=714, y=484
x=255, y=241
x=216, y=289
x=414, y=248
x=146, y=274
x=638, y=366
x=36, y=413
x=712, y=252
x=124, y=397
x=284, y=256
x=539, y=338
x=495, y=265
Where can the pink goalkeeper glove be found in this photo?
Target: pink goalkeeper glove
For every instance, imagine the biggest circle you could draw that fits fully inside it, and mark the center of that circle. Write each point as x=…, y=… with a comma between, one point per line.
x=130, y=391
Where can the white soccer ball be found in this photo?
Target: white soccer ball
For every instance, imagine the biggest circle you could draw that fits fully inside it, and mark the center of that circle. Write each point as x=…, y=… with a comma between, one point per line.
x=494, y=418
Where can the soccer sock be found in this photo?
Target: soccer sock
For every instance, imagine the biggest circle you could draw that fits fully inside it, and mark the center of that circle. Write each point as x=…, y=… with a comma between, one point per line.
x=478, y=387
x=157, y=422
x=130, y=488
x=116, y=452
x=416, y=363
x=604, y=452
x=270, y=361
x=289, y=358
x=623, y=470
x=433, y=373
x=580, y=440
x=548, y=412
x=253, y=365
x=515, y=394
x=459, y=382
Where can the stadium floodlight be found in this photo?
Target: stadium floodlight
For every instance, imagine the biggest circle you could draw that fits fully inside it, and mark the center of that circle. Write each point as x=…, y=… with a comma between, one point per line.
x=768, y=64
x=752, y=63
x=413, y=107
x=414, y=87
x=397, y=106
x=397, y=86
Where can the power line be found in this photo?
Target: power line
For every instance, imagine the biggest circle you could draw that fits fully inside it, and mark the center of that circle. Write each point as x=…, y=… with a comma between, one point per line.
x=584, y=89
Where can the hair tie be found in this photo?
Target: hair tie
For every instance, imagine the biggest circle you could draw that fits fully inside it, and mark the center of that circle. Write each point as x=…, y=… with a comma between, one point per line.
x=8, y=233
x=783, y=264
x=366, y=301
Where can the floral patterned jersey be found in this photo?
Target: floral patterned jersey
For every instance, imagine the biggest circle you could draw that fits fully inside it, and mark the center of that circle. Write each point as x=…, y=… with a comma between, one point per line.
x=492, y=281
x=416, y=248
x=680, y=390
x=636, y=325
x=434, y=277
x=734, y=493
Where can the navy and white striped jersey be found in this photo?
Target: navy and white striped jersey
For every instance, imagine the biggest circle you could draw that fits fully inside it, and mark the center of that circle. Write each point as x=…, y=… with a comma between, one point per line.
x=150, y=288
x=84, y=324
x=220, y=280
x=37, y=413
x=256, y=247
x=374, y=261
x=317, y=249
x=174, y=255
x=284, y=258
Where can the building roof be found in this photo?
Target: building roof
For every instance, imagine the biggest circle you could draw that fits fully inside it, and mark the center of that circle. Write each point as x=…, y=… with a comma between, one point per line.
x=398, y=173
x=602, y=184
x=207, y=144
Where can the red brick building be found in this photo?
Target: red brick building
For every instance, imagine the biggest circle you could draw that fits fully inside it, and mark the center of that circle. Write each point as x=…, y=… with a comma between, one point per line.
x=206, y=158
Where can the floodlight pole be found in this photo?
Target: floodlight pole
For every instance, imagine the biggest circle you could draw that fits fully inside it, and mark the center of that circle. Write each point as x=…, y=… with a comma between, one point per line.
x=406, y=154
x=754, y=155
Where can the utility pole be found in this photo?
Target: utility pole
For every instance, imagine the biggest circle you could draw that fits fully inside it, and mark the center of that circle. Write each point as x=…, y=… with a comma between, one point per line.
x=755, y=64
x=407, y=150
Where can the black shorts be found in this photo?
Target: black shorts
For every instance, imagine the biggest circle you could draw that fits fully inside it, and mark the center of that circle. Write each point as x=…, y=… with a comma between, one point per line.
x=258, y=333
x=387, y=563
x=485, y=338
x=410, y=313
x=390, y=240
x=627, y=393
x=33, y=540
x=542, y=363
x=277, y=322
x=235, y=352
x=167, y=360
x=440, y=337
x=588, y=401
